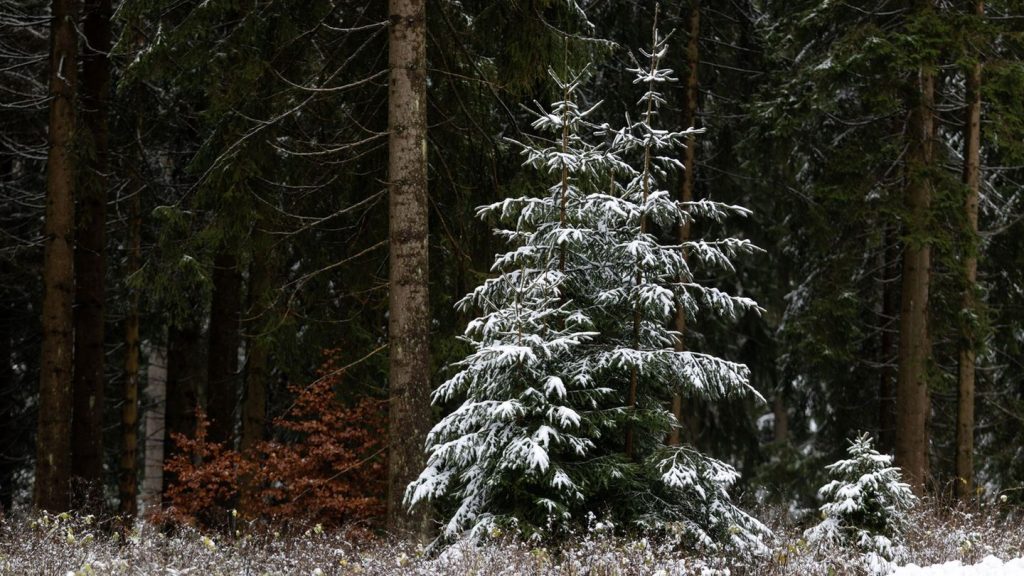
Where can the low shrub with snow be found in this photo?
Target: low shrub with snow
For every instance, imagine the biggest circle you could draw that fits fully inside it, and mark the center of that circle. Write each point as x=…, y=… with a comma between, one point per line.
x=865, y=504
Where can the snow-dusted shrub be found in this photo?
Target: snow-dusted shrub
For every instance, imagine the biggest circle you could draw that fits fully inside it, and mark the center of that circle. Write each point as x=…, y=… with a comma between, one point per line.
x=562, y=404
x=865, y=505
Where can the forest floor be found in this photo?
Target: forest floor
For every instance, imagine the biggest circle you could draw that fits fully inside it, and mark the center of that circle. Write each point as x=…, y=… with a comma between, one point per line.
x=990, y=566
x=951, y=542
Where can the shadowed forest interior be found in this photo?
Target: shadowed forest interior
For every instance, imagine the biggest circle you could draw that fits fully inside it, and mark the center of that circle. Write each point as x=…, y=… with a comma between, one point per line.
x=459, y=266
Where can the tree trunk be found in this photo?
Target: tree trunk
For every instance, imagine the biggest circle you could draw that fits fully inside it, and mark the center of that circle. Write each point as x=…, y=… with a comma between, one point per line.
x=780, y=427
x=257, y=365
x=128, y=473
x=156, y=412
x=90, y=256
x=12, y=405
x=53, y=441
x=968, y=337
x=409, y=307
x=8, y=388
x=889, y=346
x=222, y=375
x=686, y=195
x=184, y=367
x=261, y=277
x=912, y=398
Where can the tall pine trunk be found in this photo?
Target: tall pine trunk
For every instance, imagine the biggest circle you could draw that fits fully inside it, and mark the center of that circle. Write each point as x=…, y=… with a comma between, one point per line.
x=184, y=369
x=128, y=472
x=156, y=412
x=889, y=345
x=53, y=440
x=256, y=380
x=968, y=336
x=912, y=398
x=90, y=255
x=686, y=195
x=257, y=364
x=8, y=406
x=222, y=363
x=409, y=305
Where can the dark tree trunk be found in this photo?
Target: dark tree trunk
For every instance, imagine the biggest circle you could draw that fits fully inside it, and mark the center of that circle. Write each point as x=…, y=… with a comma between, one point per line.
x=889, y=345
x=912, y=397
x=968, y=337
x=409, y=306
x=222, y=374
x=128, y=470
x=90, y=255
x=184, y=367
x=780, y=428
x=257, y=364
x=686, y=195
x=8, y=466
x=53, y=441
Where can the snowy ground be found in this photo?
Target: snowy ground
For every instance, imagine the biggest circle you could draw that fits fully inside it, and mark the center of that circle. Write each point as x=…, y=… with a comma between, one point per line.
x=990, y=566
x=949, y=542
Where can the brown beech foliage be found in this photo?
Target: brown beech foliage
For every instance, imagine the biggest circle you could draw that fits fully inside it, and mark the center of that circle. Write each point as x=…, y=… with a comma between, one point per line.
x=326, y=465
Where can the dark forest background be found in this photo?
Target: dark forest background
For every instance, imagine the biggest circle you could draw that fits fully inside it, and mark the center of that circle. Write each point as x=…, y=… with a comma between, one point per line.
x=206, y=185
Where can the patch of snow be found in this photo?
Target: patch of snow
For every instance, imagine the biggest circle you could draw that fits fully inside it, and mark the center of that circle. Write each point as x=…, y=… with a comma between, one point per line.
x=989, y=566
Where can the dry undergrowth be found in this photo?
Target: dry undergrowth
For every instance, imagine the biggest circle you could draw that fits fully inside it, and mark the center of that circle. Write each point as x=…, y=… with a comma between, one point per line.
x=72, y=545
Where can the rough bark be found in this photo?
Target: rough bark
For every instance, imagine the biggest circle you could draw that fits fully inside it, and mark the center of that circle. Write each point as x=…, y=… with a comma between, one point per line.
x=689, y=119
x=156, y=411
x=222, y=363
x=90, y=255
x=53, y=441
x=409, y=313
x=968, y=338
x=128, y=473
x=912, y=398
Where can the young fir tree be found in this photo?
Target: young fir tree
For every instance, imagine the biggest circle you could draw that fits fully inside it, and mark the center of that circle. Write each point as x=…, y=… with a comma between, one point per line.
x=865, y=504
x=564, y=398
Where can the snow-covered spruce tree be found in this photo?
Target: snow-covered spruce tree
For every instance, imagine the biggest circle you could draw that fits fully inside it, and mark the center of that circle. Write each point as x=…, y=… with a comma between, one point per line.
x=636, y=296
x=865, y=504
x=520, y=449
x=563, y=412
